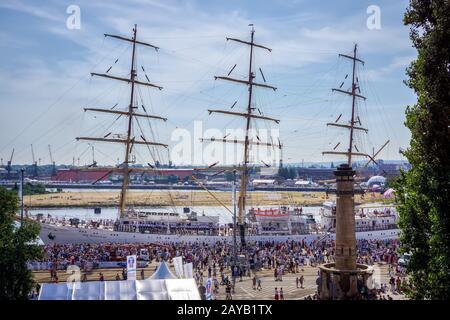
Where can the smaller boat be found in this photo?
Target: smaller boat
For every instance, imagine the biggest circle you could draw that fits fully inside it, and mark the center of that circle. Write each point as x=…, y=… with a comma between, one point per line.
x=367, y=217
x=281, y=221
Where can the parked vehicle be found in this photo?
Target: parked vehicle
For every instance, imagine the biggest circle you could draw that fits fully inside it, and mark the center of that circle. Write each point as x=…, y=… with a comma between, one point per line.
x=143, y=255
x=404, y=259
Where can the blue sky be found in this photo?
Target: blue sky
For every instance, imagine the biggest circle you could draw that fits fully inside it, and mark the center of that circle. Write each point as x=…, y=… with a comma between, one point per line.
x=45, y=72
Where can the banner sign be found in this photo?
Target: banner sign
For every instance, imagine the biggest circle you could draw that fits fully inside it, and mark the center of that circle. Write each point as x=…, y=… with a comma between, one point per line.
x=208, y=288
x=188, y=271
x=131, y=267
x=178, y=265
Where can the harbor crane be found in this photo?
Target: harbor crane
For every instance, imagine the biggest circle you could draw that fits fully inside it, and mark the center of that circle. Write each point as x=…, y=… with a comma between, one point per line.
x=94, y=163
x=8, y=165
x=52, y=161
x=35, y=164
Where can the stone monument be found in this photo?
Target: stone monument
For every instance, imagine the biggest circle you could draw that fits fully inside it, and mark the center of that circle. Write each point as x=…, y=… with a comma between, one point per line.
x=341, y=280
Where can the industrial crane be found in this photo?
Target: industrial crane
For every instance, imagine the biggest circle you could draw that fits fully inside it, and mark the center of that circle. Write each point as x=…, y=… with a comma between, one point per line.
x=52, y=161
x=35, y=164
x=94, y=163
x=8, y=165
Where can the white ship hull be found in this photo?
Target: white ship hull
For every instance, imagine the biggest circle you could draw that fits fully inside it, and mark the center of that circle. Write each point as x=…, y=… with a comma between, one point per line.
x=70, y=235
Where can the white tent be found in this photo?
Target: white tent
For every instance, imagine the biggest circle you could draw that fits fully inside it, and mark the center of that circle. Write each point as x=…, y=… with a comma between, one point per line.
x=120, y=290
x=302, y=183
x=88, y=291
x=169, y=289
x=163, y=285
x=163, y=272
x=55, y=291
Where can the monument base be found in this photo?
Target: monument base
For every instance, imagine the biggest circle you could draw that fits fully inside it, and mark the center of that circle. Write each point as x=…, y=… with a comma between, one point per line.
x=337, y=284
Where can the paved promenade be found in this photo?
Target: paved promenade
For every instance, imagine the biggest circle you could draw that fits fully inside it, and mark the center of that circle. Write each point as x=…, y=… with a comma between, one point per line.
x=244, y=289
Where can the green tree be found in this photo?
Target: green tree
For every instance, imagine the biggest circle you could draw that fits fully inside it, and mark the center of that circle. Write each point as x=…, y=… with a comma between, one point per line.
x=423, y=192
x=292, y=173
x=31, y=189
x=283, y=172
x=17, y=246
x=173, y=179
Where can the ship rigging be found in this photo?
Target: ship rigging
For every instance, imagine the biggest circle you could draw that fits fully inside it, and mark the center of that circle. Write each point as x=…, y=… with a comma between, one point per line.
x=248, y=115
x=129, y=141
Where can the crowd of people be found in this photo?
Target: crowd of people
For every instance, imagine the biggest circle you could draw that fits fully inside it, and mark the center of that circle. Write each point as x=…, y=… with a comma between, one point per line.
x=397, y=285
x=282, y=256
x=85, y=256
x=215, y=261
x=81, y=223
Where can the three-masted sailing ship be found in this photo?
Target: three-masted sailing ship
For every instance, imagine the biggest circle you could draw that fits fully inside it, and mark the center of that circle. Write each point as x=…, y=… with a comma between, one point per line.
x=134, y=226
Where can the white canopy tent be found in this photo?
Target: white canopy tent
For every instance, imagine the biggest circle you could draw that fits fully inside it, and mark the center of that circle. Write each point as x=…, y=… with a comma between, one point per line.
x=162, y=285
x=163, y=272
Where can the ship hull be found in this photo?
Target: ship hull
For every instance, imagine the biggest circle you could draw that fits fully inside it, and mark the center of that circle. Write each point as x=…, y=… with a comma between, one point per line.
x=70, y=235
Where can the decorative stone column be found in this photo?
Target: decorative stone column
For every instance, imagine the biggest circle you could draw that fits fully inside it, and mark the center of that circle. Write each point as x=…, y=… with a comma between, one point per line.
x=345, y=218
x=339, y=280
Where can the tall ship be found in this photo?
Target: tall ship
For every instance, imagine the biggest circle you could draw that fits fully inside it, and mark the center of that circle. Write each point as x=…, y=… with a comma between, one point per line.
x=249, y=224
x=370, y=219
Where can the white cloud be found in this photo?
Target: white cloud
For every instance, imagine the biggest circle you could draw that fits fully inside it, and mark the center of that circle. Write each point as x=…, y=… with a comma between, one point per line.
x=193, y=49
x=47, y=13
x=397, y=63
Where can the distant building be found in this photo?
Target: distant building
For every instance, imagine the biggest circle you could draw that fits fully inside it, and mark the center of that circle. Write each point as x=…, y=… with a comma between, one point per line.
x=268, y=172
x=303, y=183
x=81, y=175
x=84, y=175
x=392, y=168
x=316, y=173
x=264, y=182
x=383, y=168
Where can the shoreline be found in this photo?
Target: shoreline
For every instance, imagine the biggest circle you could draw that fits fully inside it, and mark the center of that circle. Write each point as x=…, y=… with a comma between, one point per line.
x=160, y=199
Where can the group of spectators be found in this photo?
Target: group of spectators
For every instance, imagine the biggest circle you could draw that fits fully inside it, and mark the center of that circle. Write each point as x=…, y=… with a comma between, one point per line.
x=286, y=256
x=216, y=260
x=85, y=256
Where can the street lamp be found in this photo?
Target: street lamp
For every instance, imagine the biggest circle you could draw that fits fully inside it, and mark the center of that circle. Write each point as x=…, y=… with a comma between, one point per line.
x=21, y=196
x=234, y=232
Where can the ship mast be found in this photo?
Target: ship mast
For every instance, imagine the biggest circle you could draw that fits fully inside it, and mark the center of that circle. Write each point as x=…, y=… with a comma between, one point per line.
x=130, y=140
x=355, y=86
x=354, y=120
x=249, y=115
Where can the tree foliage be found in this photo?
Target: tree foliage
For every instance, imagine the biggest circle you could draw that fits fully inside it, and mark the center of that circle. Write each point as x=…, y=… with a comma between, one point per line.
x=16, y=248
x=288, y=172
x=423, y=192
x=30, y=189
